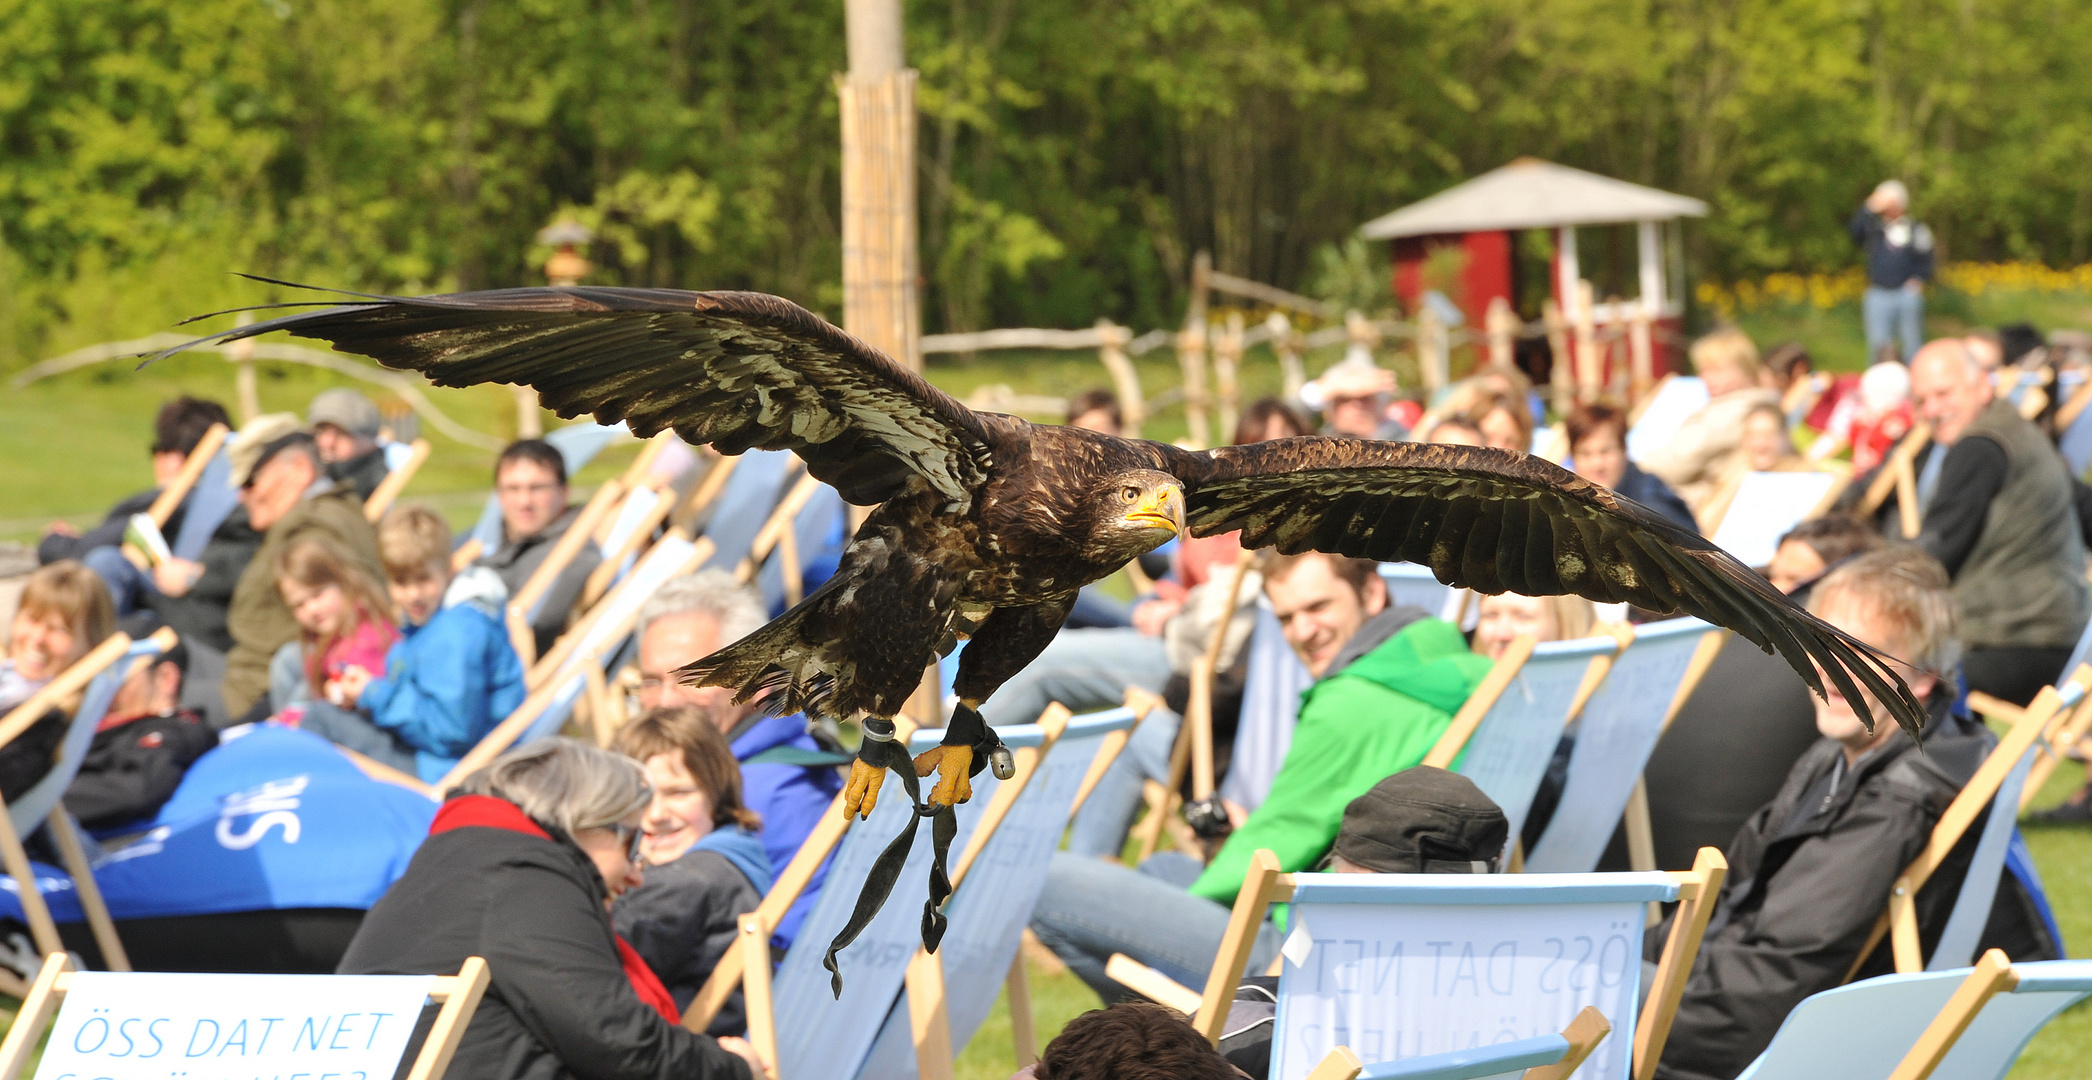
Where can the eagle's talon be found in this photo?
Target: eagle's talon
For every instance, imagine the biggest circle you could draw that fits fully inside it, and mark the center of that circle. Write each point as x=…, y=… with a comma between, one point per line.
x=861, y=794
x=953, y=766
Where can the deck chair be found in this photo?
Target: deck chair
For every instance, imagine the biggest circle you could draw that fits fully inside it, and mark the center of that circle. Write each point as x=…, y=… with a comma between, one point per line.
x=96, y=677
x=1696, y=892
x=2074, y=430
x=67, y=1002
x=1763, y=506
x=1659, y=415
x=1270, y=707
x=401, y=468
x=1998, y=781
x=949, y=993
x=578, y=444
x=797, y=998
x=1343, y=978
x=759, y=482
x=1414, y=585
x=1542, y=1057
x=1647, y=685
x=1194, y=744
x=1898, y=476
x=1961, y=1024
x=1505, y=735
x=205, y=473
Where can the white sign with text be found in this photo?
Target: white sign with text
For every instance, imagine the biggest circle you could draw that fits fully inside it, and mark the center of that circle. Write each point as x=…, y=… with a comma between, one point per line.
x=1395, y=982
x=155, y=1026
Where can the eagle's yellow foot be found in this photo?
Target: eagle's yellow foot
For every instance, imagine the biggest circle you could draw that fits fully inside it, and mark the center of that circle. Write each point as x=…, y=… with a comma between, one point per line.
x=953, y=765
x=862, y=792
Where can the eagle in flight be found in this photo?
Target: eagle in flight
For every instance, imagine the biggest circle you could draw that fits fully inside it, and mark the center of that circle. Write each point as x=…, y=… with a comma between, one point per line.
x=986, y=525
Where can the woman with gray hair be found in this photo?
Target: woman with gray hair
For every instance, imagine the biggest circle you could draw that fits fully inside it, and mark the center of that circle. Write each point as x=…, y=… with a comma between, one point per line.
x=520, y=867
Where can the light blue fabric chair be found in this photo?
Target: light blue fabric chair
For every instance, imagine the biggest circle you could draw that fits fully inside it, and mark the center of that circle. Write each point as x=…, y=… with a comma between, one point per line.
x=1614, y=737
x=1507, y=1060
x=1508, y=753
x=995, y=900
x=826, y=1036
x=1404, y=966
x=40, y=804
x=1270, y=708
x=1864, y=1030
x=1413, y=584
x=210, y=502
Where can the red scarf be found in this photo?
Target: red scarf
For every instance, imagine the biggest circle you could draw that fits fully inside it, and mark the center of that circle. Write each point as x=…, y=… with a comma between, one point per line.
x=486, y=811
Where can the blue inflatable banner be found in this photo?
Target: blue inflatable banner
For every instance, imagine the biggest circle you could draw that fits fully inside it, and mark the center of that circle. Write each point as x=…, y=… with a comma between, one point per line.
x=275, y=819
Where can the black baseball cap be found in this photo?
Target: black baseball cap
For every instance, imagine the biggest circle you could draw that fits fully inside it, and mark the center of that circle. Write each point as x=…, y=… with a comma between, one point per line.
x=1423, y=821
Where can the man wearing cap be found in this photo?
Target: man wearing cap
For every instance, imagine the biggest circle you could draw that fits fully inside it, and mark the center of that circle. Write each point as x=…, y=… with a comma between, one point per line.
x=1899, y=263
x=193, y=596
x=344, y=426
x=1421, y=820
x=287, y=496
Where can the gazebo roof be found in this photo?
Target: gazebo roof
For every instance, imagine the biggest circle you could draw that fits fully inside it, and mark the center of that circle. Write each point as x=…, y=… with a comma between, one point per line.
x=1532, y=194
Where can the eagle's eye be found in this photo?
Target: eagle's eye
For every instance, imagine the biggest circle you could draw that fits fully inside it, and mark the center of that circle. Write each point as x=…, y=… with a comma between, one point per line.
x=1130, y=492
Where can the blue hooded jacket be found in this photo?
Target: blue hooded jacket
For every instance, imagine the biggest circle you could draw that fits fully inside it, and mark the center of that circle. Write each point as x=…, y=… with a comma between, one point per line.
x=448, y=682
x=791, y=799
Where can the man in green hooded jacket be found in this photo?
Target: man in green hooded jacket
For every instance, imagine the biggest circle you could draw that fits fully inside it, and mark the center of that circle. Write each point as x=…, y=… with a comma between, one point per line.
x=1388, y=683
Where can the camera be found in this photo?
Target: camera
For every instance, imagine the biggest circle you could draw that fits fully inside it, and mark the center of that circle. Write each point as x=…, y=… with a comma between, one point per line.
x=1208, y=818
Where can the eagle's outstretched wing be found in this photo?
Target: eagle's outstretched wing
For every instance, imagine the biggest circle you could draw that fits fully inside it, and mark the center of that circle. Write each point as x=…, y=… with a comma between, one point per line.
x=733, y=369
x=1496, y=521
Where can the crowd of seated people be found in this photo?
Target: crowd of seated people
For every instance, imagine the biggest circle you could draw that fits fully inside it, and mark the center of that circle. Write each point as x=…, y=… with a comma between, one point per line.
x=628, y=868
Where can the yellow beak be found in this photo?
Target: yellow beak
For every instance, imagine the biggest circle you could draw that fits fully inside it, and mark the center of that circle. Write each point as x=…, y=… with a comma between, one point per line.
x=1162, y=508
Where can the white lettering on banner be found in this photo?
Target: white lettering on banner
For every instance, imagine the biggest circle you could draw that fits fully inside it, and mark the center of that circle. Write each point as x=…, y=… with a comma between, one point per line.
x=1401, y=981
x=154, y=1026
x=273, y=802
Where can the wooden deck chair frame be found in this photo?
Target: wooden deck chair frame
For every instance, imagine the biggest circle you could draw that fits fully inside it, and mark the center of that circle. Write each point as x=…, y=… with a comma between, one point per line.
x=43, y=930
x=1555, y=1056
x=929, y=1026
x=178, y=488
x=516, y=613
x=388, y=489
x=757, y=926
x=675, y=512
x=1265, y=884
x=1194, y=745
x=460, y=995
x=1899, y=922
x=2053, y=747
x=1898, y=475
x=542, y=678
x=1641, y=832
x=1991, y=976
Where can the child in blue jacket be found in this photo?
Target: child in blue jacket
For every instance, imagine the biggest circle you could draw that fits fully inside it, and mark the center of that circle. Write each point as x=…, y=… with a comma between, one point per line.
x=452, y=676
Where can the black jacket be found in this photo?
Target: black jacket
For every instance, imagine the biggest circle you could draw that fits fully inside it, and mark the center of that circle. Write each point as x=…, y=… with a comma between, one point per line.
x=132, y=769
x=559, y=1004
x=1805, y=889
x=364, y=472
x=683, y=920
x=199, y=614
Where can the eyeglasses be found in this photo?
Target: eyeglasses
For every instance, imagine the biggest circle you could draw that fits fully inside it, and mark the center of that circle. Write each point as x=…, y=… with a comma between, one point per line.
x=633, y=842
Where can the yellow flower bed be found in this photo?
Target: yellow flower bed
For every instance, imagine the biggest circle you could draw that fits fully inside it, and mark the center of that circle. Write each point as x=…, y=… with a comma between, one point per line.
x=1845, y=286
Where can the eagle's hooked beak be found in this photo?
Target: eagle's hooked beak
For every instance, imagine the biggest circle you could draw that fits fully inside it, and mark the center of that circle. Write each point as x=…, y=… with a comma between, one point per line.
x=1162, y=508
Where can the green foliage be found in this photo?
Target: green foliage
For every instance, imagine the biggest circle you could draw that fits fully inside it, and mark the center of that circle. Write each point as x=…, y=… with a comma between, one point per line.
x=1073, y=155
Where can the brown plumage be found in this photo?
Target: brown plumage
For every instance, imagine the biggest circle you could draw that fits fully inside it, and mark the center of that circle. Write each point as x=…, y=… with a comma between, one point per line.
x=987, y=525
